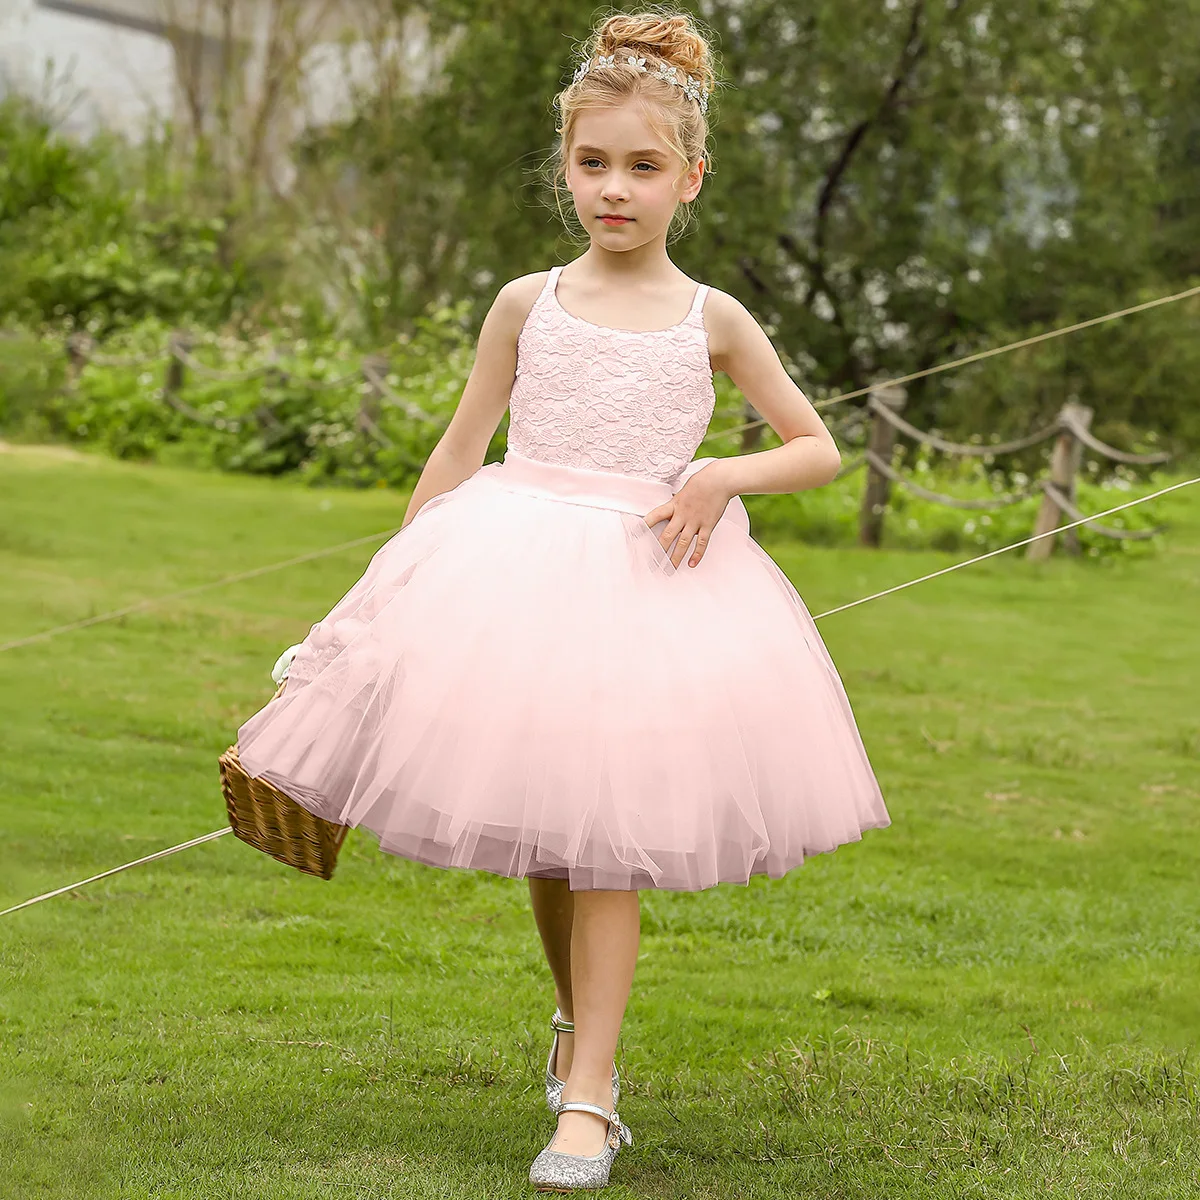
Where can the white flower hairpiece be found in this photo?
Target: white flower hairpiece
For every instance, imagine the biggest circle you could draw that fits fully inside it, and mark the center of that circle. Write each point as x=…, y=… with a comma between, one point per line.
x=691, y=87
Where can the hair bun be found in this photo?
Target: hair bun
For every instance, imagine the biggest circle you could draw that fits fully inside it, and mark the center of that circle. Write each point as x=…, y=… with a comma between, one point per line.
x=673, y=38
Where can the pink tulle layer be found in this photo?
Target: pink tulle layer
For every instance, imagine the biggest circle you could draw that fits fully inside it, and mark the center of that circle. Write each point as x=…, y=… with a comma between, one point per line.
x=522, y=682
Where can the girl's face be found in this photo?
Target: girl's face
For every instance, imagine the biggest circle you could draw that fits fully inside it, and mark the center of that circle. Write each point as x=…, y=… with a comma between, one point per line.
x=619, y=165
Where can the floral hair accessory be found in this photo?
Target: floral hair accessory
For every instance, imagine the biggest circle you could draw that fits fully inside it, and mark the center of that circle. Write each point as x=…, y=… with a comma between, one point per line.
x=691, y=87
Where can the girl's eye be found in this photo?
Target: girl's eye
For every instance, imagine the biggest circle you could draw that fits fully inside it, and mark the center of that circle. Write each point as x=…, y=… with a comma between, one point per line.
x=587, y=162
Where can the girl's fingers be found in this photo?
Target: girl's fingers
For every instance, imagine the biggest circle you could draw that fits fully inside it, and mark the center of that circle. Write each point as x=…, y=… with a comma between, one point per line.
x=677, y=528
x=674, y=525
x=684, y=544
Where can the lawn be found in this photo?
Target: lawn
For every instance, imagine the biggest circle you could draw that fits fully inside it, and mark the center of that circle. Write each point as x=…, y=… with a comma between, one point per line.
x=997, y=996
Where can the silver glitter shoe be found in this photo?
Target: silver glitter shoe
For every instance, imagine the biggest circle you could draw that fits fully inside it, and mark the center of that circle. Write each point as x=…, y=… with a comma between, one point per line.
x=554, y=1085
x=554, y=1171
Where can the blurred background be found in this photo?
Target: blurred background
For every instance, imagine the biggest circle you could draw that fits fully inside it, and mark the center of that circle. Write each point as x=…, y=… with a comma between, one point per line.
x=310, y=183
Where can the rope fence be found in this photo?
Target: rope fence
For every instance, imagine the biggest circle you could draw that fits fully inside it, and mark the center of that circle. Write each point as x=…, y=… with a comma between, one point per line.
x=1071, y=437
x=879, y=419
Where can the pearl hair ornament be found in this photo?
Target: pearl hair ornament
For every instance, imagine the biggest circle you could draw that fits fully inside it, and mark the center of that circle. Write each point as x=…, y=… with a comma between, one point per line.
x=691, y=87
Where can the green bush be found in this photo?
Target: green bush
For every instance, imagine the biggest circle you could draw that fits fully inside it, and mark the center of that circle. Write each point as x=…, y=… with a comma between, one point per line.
x=31, y=375
x=81, y=249
x=298, y=412
x=136, y=269
x=253, y=408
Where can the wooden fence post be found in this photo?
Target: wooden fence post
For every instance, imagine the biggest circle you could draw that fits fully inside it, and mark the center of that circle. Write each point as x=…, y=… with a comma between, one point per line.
x=1064, y=463
x=1083, y=415
x=275, y=377
x=370, y=404
x=752, y=436
x=881, y=442
x=178, y=344
x=79, y=346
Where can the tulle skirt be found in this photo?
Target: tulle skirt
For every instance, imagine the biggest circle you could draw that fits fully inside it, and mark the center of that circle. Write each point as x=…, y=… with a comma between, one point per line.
x=522, y=682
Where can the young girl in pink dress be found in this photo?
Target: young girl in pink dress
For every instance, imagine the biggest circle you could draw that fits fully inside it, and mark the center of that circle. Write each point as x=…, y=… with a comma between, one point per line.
x=576, y=666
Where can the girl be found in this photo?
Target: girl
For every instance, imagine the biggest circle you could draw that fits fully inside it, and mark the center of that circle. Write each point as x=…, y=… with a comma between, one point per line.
x=528, y=679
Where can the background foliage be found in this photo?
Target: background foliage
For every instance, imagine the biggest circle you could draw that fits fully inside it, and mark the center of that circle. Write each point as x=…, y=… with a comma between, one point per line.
x=895, y=185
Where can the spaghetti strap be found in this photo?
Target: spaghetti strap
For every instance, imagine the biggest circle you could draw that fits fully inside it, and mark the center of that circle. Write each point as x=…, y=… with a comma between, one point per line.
x=543, y=297
x=698, y=300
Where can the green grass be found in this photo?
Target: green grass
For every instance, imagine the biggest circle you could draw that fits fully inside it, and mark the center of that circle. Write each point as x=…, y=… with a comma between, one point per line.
x=997, y=996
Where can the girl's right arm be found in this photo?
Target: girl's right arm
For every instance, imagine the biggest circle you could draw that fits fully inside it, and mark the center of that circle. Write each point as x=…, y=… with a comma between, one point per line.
x=460, y=450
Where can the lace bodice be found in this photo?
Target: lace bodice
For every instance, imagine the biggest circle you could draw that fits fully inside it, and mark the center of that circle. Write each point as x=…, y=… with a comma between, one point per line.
x=609, y=399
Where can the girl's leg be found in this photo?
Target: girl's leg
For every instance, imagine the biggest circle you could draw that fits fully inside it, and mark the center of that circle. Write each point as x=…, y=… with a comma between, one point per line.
x=553, y=909
x=604, y=947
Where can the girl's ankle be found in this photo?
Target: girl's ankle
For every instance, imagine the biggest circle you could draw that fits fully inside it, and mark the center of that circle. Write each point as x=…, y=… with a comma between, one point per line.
x=589, y=1091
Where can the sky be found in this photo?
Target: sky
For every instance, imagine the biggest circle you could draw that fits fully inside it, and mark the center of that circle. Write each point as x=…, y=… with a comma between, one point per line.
x=92, y=74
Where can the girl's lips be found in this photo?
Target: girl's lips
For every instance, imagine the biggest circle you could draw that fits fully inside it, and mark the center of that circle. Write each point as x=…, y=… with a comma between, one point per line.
x=616, y=220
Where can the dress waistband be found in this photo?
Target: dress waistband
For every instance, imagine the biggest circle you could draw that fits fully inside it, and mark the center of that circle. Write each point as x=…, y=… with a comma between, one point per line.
x=600, y=489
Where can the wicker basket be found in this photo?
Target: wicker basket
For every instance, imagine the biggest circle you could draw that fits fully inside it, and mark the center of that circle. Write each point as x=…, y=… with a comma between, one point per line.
x=270, y=821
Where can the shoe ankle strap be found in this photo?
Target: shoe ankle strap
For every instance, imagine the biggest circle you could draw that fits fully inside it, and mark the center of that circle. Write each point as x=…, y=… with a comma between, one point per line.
x=614, y=1121
x=580, y=1106
x=559, y=1022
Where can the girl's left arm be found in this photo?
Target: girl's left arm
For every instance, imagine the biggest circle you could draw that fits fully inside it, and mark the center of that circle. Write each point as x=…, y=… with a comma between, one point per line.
x=809, y=456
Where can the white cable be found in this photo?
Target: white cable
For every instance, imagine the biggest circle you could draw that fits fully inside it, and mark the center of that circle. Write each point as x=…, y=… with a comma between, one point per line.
x=1002, y=549
x=208, y=837
x=191, y=591
x=137, y=862
x=970, y=358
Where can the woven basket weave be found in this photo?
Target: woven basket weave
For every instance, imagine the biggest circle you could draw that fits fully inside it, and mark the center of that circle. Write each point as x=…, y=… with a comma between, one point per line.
x=270, y=821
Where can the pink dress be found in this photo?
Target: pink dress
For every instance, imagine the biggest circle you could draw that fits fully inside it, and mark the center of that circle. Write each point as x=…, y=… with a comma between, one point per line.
x=521, y=681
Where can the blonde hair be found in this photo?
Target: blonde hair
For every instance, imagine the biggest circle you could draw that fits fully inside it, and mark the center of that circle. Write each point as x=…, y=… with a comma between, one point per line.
x=665, y=38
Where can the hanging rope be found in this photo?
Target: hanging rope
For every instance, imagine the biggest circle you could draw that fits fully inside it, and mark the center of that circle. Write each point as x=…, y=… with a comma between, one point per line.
x=143, y=360
x=378, y=380
x=894, y=419
x=1129, y=535
x=1092, y=442
x=940, y=497
x=194, y=364
x=233, y=424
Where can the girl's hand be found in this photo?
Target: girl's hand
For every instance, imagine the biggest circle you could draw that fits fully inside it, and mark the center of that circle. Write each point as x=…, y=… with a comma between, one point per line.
x=691, y=513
